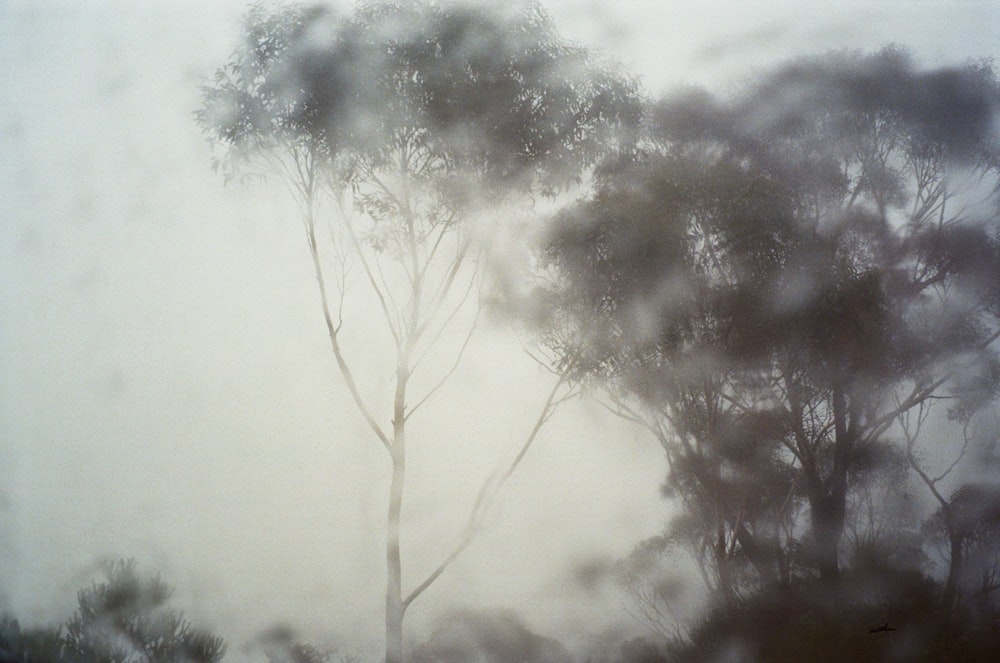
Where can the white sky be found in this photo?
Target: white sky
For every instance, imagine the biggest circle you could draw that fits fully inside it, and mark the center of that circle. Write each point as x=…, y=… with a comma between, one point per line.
x=166, y=388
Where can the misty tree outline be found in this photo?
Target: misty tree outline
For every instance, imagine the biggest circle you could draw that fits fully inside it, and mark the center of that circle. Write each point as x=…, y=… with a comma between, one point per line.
x=845, y=162
x=125, y=619
x=469, y=104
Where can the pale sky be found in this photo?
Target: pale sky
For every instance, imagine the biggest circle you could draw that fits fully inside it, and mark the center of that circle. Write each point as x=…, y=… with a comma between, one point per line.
x=166, y=387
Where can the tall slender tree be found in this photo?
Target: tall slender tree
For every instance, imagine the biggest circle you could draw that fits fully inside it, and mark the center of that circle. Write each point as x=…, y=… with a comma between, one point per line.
x=394, y=127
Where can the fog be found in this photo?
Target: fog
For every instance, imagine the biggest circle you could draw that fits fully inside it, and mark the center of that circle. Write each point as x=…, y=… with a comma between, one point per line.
x=168, y=392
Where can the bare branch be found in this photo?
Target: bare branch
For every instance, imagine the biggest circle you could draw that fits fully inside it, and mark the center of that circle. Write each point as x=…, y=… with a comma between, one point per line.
x=335, y=343
x=383, y=292
x=449, y=372
x=487, y=493
x=959, y=456
x=444, y=288
x=911, y=434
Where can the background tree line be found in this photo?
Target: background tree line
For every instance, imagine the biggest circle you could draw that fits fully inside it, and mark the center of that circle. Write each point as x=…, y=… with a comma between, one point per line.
x=126, y=617
x=784, y=287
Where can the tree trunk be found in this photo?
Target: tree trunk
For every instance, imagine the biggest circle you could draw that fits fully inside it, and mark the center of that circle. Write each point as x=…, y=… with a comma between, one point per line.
x=765, y=558
x=726, y=593
x=950, y=596
x=828, y=499
x=394, y=577
x=827, y=510
x=827, y=528
x=394, y=607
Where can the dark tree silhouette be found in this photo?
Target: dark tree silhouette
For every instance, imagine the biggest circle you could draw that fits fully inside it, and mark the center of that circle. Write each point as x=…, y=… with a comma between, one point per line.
x=864, y=618
x=393, y=127
x=643, y=284
x=30, y=645
x=126, y=619
x=969, y=523
x=882, y=299
x=776, y=278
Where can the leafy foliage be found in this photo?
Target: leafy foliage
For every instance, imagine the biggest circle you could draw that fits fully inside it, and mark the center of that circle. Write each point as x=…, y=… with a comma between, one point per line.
x=810, y=622
x=478, y=92
x=775, y=279
x=41, y=645
x=125, y=619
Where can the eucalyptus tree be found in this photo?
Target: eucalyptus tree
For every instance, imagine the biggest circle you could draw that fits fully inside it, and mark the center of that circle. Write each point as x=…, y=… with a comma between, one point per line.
x=829, y=266
x=884, y=300
x=398, y=128
x=640, y=283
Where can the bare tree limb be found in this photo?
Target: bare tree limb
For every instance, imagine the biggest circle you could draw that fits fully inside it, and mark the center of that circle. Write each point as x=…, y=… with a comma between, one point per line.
x=487, y=493
x=332, y=332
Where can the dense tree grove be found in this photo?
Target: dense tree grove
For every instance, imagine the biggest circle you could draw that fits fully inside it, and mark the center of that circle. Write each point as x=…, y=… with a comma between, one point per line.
x=780, y=287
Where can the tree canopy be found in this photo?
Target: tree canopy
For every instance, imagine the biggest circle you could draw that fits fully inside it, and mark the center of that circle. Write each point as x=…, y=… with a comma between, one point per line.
x=489, y=93
x=775, y=278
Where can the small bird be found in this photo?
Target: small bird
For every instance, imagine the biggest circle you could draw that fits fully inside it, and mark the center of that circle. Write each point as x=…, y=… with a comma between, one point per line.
x=881, y=629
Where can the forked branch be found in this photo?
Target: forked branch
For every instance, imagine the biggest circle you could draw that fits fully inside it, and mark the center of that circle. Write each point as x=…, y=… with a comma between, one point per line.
x=332, y=331
x=489, y=490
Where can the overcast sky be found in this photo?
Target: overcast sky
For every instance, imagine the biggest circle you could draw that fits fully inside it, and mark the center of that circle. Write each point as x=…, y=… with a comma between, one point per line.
x=166, y=387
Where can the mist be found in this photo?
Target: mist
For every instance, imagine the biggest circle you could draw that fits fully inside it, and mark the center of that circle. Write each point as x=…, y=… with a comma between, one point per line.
x=169, y=393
